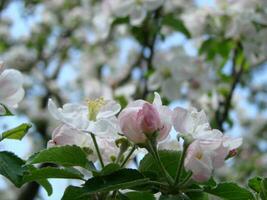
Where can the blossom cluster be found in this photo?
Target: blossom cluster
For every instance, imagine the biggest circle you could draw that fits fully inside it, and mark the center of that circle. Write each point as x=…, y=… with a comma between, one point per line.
x=141, y=121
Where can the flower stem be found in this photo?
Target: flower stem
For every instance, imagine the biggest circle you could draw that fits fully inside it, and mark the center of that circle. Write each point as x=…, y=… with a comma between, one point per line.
x=97, y=150
x=153, y=150
x=128, y=156
x=180, y=166
x=186, y=179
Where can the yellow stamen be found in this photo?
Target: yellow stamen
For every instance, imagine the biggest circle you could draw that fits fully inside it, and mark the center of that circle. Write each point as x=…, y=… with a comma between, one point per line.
x=93, y=107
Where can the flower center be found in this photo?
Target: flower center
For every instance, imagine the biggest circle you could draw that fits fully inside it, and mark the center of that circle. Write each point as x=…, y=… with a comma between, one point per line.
x=93, y=107
x=199, y=155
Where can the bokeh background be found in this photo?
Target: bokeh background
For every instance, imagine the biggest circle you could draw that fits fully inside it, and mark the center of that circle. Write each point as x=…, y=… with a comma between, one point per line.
x=205, y=53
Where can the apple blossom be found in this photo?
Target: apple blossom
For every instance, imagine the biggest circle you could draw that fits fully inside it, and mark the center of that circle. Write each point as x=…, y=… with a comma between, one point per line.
x=190, y=122
x=141, y=120
x=173, y=80
x=11, y=91
x=136, y=10
x=98, y=117
x=205, y=155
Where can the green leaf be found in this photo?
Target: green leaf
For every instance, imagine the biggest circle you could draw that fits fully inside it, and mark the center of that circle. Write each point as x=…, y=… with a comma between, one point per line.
x=46, y=185
x=65, y=155
x=76, y=193
x=230, y=191
x=11, y=167
x=139, y=195
x=120, y=20
x=52, y=172
x=213, y=47
x=170, y=160
x=197, y=196
x=7, y=112
x=121, y=100
x=121, y=179
x=108, y=169
x=263, y=192
x=173, y=197
x=255, y=184
x=176, y=24
x=16, y=133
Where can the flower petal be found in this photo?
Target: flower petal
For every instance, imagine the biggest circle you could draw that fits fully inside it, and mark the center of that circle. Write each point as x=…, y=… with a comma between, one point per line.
x=110, y=109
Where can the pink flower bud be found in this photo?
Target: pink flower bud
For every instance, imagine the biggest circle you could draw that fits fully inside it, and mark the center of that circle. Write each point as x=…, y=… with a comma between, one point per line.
x=232, y=153
x=148, y=119
x=141, y=119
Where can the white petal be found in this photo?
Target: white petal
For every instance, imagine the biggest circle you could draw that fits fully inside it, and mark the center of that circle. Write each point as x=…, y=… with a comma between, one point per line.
x=232, y=143
x=157, y=99
x=136, y=104
x=137, y=15
x=104, y=128
x=75, y=115
x=14, y=99
x=10, y=81
x=53, y=109
x=110, y=109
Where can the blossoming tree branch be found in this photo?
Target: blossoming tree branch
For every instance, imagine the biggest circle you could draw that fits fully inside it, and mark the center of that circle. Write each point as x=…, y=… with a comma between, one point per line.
x=135, y=99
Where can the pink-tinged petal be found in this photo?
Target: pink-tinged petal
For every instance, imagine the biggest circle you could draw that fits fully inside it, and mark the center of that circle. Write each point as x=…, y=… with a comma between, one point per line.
x=166, y=122
x=179, y=117
x=149, y=119
x=140, y=119
x=198, y=161
x=129, y=127
x=66, y=135
x=219, y=156
x=202, y=177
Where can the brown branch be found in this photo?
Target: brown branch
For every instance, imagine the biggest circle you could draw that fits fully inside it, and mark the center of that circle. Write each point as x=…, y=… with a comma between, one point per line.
x=151, y=46
x=221, y=116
